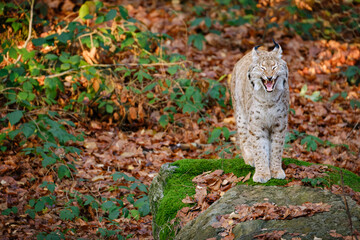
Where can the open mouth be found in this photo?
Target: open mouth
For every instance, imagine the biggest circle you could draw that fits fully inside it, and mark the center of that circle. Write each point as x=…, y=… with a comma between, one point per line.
x=269, y=84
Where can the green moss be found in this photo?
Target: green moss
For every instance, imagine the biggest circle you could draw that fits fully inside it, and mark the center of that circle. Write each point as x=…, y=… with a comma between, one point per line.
x=180, y=184
x=287, y=161
x=350, y=179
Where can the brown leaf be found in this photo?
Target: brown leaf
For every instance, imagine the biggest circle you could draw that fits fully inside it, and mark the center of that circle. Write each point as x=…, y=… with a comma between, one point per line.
x=200, y=195
x=247, y=177
x=132, y=113
x=188, y=200
x=277, y=234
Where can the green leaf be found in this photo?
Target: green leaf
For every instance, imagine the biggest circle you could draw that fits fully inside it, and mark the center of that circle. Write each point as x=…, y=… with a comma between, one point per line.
x=333, y=97
x=303, y=90
x=13, y=53
x=83, y=11
x=27, y=86
x=51, y=187
x=208, y=22
x=28, y=129
x=65, y=36
x=310, y=142
x=135, y=214
x=344, y=95
x=39, y=206
x=110, y=15
x=26, y=55
x=6, y=212
x=14, y=117
x=173, y=69
x=65, y=66
x=119, y=175
x=63, y=171
x=114, y=214
x=189, y=108
x=109, y=108
x=197, y=40
x=100, y=19
x=74, y=60
x=22, y=95
x=150, y=87
x=164, y=120
x=123, y=12
x=31, y=213
x=13, y=133
x=144, y=209
x=127, y=42
x=189, y=92
x=226, y=133
x=215, y=134
x=16, y=26
x=196, y=22
x=32, y=202
x=354, y=103
x=66, y=214
x=3, y=72
x=107, y=205
x=38, y=41
x=51, y=57
x=315, y=97
x=47, y=161
x=352, y=71
x=89, y=199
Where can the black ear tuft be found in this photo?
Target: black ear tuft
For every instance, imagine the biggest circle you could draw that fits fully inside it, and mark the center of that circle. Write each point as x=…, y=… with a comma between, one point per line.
x=276, y=44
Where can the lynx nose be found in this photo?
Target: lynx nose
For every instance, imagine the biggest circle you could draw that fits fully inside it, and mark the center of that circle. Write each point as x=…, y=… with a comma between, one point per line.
x=269, y=78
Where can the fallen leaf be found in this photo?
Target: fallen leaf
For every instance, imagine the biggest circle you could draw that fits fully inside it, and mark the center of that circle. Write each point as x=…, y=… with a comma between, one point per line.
x=247, y=177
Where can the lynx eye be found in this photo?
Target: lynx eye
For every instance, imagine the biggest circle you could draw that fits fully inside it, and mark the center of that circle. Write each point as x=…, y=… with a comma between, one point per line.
x=274, y=67
x=263, y=68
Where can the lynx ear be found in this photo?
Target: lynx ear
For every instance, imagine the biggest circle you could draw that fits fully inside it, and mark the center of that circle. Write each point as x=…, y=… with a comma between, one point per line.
x=255, y=55
x=277, y=49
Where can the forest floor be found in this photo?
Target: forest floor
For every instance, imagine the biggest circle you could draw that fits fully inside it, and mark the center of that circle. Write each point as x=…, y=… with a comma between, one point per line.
x=140, y=151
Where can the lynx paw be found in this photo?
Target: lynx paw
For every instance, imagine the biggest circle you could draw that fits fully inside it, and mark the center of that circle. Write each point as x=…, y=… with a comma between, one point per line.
x=278, y=173
x=261, y=177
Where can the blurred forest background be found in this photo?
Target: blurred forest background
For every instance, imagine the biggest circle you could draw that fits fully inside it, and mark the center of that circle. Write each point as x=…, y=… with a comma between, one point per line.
x=97, y=95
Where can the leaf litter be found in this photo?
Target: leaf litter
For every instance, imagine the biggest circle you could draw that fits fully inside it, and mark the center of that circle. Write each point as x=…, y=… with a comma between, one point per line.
x=210, y=186
x=266, y=211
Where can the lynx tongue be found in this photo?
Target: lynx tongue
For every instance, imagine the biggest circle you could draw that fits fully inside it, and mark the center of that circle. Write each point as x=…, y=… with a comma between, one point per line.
x=269, y=85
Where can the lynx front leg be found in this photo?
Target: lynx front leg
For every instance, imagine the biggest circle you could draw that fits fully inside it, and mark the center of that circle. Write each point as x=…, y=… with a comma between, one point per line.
x=260, y=151
x=277, y=147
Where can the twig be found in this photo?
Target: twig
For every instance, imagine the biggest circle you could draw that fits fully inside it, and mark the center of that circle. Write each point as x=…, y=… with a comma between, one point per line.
x=347, y=206
x=30, y=29
x=353, y=129
x=112, y=65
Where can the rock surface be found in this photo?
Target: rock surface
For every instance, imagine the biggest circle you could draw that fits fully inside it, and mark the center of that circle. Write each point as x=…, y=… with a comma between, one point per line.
x=318, y=225
x=156, y=192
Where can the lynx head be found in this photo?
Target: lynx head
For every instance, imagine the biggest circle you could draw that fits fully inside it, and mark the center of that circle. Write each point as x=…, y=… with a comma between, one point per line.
x=268, y=70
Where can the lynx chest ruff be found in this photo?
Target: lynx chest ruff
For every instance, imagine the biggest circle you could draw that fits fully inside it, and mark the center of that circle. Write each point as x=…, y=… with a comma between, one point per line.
x=260, y=96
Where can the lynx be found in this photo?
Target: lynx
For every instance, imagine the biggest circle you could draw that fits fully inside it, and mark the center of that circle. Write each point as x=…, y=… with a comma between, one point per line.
x=260, y=96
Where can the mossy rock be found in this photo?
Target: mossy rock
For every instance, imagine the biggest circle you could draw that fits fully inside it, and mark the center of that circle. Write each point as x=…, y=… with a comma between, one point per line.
x=174, y=182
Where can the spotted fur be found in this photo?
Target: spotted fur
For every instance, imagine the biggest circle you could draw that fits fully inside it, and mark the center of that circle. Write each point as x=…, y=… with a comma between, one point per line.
x=260, y=96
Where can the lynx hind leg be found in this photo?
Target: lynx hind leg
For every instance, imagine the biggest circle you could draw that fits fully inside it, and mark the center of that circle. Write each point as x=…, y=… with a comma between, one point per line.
x=243, y=140
x=246, y=153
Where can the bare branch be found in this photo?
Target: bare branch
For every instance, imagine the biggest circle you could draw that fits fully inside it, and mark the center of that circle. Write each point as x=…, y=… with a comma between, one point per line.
x=30, y=29
x=113, y=65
